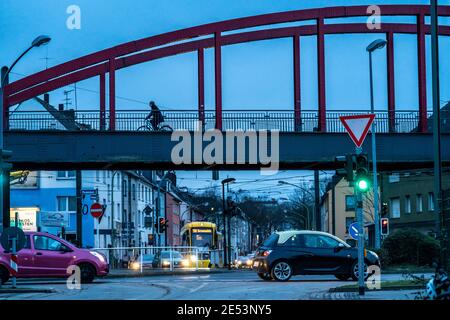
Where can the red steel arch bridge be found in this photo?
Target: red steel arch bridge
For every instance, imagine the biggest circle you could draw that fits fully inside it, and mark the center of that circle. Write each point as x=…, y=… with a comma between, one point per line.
x=91, y=139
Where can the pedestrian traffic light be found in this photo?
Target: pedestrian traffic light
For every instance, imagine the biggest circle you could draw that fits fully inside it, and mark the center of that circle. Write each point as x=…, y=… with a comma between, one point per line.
x=349, y=165
x=384, y=226
x=362, y=173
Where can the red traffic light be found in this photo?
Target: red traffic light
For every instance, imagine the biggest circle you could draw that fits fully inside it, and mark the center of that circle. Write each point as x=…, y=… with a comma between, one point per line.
x=384, y=226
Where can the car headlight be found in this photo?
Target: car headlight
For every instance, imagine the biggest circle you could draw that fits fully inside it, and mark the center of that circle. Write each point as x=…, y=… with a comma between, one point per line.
x=98, y=256
x=249, y=262
x=135, y=265
x=185, y=263
x=239, y=262
x=193, y=258
x=166, y=263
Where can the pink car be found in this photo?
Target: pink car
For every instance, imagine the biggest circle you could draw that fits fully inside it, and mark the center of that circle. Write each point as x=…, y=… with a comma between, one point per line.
x=46, y=255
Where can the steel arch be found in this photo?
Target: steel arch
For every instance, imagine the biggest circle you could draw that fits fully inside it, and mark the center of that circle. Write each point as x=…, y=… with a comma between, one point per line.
x=168, y=44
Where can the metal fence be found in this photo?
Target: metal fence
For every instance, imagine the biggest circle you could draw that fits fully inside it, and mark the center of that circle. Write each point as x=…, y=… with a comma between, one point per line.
x=168, y=258
x=283, y=120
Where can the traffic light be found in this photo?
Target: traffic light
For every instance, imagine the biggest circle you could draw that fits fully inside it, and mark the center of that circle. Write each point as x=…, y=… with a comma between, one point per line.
x=162, y=225
x=362, y=178
x=384, y=209
x=384, y=226
x=349, y=165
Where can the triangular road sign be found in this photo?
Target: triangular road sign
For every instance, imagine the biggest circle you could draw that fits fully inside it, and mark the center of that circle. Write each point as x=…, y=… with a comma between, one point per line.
x=357, y=126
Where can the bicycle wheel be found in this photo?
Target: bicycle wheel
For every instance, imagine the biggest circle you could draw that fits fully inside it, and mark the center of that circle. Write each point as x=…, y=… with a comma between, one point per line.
x=165, y=128
x=144, y=128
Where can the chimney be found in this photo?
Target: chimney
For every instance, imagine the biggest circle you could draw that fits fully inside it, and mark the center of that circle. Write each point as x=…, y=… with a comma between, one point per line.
x=61, y=107
x=47, y=97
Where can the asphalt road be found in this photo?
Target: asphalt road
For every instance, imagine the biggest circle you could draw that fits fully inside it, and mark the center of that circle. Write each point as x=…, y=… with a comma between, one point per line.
x=234, y=285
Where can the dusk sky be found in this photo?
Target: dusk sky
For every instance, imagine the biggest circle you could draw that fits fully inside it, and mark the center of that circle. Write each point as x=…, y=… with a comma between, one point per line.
x=256, y=75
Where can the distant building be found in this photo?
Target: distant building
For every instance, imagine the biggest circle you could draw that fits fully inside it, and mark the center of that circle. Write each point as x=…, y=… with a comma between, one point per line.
x=337, y=207
x=409, y=196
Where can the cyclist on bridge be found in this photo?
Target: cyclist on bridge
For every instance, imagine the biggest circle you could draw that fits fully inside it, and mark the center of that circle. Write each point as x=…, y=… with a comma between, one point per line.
x=155, y=116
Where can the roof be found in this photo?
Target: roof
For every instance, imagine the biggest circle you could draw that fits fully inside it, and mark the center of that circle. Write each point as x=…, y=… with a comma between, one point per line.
x=284, y=235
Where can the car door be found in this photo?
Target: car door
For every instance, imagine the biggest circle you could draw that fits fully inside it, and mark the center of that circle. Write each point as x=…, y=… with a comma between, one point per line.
x=296, y=252
x=323, y=257
x=50, y=258
x=25, y=258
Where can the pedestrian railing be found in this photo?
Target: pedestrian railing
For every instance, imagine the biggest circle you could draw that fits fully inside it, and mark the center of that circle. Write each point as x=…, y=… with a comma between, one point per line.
x=282, y=120
x=129, y=260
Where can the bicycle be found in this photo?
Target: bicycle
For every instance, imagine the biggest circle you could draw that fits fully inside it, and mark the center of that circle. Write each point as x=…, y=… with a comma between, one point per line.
x=164, y=127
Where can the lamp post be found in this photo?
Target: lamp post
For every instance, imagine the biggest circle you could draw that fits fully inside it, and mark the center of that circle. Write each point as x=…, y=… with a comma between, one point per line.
x=37, y=42
x=226, y=239
x=377, y=44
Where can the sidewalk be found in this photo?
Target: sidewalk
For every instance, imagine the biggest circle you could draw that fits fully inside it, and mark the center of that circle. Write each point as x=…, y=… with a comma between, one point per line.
x=369, y=295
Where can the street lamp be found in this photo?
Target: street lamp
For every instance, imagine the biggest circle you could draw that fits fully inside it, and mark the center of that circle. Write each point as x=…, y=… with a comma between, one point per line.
x=39, y=41
x=226, y=238
x=374, y=45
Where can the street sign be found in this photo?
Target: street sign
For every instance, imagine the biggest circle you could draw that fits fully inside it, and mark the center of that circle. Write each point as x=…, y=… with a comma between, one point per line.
x=96, y=210
x=357, y=126
x=12, y=233
x=353, y=230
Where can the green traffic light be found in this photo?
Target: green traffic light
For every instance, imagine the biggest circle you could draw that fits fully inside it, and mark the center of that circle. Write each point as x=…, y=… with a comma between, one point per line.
x=363, y=185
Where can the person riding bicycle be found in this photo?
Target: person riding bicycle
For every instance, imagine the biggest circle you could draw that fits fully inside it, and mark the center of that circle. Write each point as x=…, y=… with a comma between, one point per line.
x=155, y=116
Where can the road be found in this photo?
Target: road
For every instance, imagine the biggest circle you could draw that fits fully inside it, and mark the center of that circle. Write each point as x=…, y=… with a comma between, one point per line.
x=235, y=285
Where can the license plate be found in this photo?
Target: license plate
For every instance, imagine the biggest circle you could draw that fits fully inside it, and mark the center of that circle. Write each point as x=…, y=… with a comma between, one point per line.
x=255, y=264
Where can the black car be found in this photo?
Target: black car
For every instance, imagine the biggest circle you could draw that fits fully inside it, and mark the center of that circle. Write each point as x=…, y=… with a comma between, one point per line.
x=289, y=253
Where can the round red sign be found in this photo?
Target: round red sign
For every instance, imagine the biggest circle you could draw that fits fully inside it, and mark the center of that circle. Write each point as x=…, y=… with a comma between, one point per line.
x=96, y=210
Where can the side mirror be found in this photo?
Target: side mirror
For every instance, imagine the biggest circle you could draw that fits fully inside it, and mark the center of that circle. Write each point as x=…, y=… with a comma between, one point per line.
x=339, y=247
x=65, y=249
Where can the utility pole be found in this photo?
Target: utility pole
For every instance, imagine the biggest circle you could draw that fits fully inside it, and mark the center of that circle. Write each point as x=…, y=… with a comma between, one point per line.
x=317, y=219
x=78, y=186
x=437, y=130
x=224, y=221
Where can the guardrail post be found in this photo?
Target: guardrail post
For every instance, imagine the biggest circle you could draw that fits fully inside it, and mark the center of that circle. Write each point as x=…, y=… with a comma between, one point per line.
x=218, y=78
x=296, y=56
x=201, y=86
x=112, y=95
x=322, y=121
x=391, y=82
x=102, y=102
x=422, y=73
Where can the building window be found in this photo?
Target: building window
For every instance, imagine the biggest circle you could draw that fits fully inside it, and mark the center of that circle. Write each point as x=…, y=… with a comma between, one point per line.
x=67, y=203
x=349, y=203
x=419, y=203
x=395, y=207
x=97, y=175
x=395, y=177
x=65, y=174
x=133, y=191
x=124, y=188
x=407, y=204
x=348, y=222
x=430, y=201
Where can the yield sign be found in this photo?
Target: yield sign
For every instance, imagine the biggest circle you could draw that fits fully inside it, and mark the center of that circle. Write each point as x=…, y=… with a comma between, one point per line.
x=357, y=126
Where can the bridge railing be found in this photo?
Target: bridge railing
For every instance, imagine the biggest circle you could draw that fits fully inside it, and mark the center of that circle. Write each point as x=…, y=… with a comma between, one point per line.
x=282, y=120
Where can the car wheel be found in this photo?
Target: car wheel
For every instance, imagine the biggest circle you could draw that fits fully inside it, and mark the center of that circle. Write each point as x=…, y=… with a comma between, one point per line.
x=4, y=275
x=355, y=272
x=342, y=277
x=281, y=271
x=265, y=276
x=87, y=273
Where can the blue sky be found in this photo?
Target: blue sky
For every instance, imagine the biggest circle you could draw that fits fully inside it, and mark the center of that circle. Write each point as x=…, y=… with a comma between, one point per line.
x=256, y=75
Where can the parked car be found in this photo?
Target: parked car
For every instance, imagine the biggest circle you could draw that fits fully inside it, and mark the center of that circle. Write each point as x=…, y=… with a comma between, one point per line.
x=46, y=255
x=289, y=253
x=244, y=261
x=146, y=261
x=165, y=258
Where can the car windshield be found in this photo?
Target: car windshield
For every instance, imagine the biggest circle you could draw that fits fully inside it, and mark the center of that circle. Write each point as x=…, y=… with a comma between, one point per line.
x=271, y=241
x=148, y=257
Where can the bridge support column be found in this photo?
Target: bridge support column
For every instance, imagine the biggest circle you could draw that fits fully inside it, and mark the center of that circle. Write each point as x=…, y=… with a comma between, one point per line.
x=297, y=111
x=218, y=78
x=422, y=72
x=201, y=85
x=322, y=121
x=391, y=81
x=112, y=95
x=102, y=102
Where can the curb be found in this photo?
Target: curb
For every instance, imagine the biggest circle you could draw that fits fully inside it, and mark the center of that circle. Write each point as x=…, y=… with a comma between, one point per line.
x=393, y=288
x=26, y=290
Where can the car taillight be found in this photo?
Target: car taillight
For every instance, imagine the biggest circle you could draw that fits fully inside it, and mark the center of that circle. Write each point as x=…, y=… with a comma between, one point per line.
x=266, y=253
